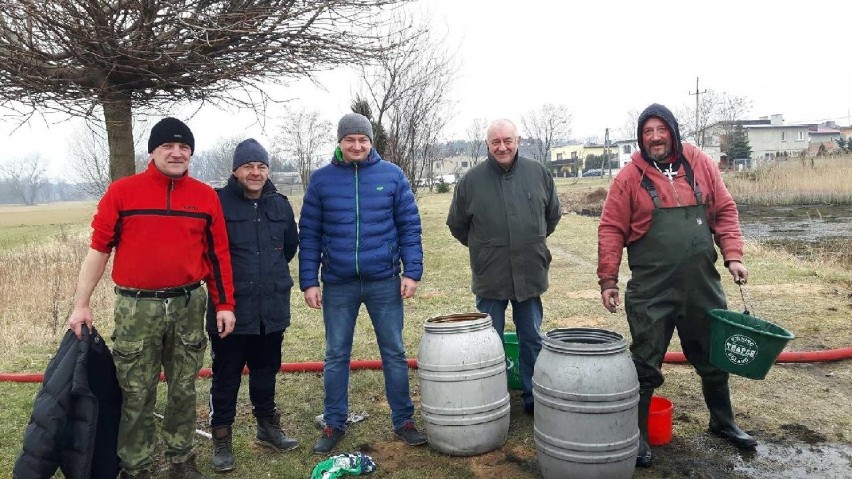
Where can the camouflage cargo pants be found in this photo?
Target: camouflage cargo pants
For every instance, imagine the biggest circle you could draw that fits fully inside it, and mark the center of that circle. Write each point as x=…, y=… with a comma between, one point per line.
x=150, y=334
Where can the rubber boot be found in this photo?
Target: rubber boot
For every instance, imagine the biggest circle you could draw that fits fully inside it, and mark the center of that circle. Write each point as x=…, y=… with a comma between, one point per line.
x=644, y=458
x=269, y=434
x=223, y=450
x=718, y=399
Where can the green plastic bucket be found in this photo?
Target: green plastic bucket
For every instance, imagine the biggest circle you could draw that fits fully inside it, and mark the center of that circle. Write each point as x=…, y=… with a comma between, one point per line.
x=513, y=371
x=745, y=345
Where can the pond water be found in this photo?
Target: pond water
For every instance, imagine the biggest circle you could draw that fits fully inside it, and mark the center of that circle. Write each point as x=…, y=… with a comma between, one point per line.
x=809, y=231
x=806, y=223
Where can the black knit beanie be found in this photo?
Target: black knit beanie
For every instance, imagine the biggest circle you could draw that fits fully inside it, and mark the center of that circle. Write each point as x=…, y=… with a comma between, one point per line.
x=170, y=130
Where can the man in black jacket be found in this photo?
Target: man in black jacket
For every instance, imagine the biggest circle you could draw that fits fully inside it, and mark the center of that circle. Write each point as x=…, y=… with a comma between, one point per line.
x=263, y=239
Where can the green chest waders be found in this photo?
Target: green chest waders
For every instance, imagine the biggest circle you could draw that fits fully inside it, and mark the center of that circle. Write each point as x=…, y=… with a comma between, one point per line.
x=673, y=283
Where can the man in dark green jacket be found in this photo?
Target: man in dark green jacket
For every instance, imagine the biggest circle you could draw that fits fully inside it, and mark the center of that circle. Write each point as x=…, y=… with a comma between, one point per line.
x=503, y=210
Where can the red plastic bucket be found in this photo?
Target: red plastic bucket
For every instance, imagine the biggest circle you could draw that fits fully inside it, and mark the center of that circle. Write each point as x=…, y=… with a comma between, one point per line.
x=660, y=421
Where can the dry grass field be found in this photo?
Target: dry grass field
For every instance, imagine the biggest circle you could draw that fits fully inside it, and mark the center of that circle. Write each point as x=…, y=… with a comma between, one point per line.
x=806, y=181
x=796, y=408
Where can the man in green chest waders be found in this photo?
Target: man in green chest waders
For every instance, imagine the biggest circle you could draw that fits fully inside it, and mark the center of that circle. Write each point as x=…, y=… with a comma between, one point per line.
x=668, y=207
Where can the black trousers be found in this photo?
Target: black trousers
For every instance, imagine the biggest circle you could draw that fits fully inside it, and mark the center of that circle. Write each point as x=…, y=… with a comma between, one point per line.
x=262, y=354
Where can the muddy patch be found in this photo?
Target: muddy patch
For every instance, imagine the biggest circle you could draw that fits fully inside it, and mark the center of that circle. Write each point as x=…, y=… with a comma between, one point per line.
x=707, y=457
x=797, y=460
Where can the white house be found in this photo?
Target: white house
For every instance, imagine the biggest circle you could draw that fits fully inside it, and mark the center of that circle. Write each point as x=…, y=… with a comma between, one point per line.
x=625, y=149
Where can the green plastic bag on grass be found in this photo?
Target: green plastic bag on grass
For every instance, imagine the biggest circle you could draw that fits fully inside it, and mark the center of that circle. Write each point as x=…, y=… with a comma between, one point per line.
x=344, y=465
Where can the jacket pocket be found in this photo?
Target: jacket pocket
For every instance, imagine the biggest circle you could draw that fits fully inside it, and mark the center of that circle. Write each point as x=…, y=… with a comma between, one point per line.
x=281, y=304
x=277, y=228
x=130, y=367
x=241, y=231
x=325, y=259
x=244, y=297
x=393, y=256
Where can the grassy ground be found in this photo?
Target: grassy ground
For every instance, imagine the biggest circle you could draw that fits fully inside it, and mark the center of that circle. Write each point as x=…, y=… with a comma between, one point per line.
x=24, y=224
x=812, y=299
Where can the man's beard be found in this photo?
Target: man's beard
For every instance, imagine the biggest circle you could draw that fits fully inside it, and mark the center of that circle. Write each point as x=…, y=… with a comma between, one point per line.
x=667, y=152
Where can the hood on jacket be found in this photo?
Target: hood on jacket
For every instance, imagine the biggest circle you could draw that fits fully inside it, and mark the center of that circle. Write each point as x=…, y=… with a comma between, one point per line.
x=664, y=114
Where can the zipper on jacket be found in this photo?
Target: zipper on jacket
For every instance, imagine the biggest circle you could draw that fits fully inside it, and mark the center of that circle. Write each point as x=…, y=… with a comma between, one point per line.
x=169, y=195
x=357, y=222
x=257, y=238
x=260, y=274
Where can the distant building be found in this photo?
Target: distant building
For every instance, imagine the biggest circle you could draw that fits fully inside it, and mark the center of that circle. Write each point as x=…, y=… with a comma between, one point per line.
x=823, y=136
x=767, y=136
x=626, y=148
x=570, y=160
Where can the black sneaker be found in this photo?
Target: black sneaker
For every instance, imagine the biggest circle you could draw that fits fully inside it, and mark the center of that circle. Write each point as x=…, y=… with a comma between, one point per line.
x=529, y=408
x=409, y=433
x=328, y=439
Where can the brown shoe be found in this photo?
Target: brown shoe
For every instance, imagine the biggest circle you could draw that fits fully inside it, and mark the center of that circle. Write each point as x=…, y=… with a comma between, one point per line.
x=138, y=475
x=185, y=470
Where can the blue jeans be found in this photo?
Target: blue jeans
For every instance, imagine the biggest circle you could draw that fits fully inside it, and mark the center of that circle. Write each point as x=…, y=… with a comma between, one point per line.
x=340, y=305
x=527, y=316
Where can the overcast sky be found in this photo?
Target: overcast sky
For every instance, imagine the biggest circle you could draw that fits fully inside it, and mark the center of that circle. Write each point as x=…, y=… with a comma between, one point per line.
x=601, y=58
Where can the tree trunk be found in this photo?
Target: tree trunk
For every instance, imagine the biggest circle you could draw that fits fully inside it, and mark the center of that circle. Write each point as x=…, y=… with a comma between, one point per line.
x=118, y=117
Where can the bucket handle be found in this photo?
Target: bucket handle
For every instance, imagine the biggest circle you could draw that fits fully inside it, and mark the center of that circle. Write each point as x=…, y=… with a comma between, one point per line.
x=744, y=294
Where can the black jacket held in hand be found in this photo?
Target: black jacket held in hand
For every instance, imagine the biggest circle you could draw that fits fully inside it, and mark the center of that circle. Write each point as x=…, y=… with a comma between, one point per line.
x=74, y=424
x=262, y=238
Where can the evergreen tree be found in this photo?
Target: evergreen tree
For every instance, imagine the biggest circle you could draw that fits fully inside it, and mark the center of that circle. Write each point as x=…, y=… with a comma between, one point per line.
x=738, y=145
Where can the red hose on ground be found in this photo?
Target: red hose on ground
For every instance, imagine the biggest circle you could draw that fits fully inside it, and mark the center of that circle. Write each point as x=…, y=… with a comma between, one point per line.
x=821, y=356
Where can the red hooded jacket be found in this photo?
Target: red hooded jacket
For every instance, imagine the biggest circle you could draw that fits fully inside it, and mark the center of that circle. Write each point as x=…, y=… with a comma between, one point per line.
x=626, y=215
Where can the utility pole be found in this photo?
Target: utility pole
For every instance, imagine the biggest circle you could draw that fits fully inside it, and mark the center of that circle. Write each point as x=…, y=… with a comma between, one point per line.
x=697, y=93
x=606, y=152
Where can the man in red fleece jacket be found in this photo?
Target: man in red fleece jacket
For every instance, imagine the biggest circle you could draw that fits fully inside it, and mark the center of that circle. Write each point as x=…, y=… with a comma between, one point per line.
x=668, y=206
x=169, y=235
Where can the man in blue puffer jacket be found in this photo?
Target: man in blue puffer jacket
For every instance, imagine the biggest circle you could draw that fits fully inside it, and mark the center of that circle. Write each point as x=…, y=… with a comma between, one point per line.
x=359, y=220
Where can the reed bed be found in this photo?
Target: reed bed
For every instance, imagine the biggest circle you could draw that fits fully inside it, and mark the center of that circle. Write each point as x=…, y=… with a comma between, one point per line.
x=808, y=181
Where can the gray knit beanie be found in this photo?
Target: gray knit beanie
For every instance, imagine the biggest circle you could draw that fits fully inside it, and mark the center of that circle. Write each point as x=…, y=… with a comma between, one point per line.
x=248, y=151
x=354, y=124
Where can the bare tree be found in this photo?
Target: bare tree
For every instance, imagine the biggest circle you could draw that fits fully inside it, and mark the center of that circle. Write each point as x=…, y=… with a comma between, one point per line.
x=475, y=147
x=713, y=107
x=303, y=136
x=88, y=154
x=408, y=91
x=544, y=126
x=629, y=128
x=82, y=57
x=25, y=176
x=214, y=165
